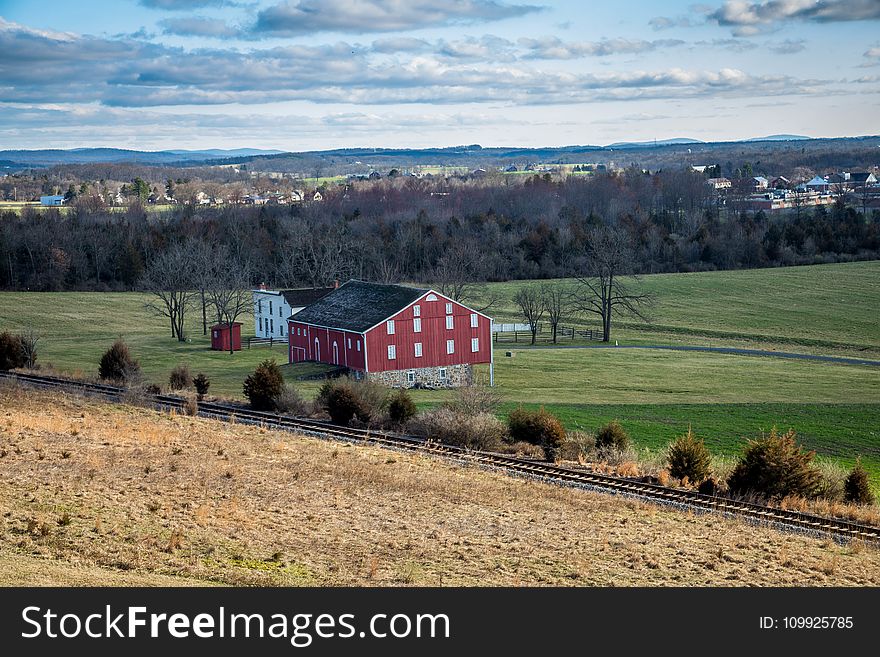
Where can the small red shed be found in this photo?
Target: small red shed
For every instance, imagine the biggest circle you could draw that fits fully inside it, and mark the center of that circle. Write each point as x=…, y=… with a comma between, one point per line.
x=221, y=335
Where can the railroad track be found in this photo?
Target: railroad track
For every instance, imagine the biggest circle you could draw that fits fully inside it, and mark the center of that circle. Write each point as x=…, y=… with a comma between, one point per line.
x=767, y=515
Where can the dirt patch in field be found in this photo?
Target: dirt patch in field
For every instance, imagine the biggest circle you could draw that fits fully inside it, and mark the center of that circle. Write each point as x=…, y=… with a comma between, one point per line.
x=115, y=492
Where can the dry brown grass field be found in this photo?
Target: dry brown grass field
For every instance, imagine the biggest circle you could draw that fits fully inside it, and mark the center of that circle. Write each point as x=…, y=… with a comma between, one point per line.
x=102, y=494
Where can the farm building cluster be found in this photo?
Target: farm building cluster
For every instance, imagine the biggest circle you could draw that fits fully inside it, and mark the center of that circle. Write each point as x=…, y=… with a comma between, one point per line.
x=397, y=335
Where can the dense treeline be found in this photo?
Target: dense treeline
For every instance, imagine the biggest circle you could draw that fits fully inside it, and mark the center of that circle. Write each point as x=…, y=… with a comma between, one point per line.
x=440, y=231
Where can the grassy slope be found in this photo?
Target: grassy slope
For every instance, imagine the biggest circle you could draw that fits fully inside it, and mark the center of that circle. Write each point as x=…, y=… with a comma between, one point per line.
x=207, y=501
x=655, y=393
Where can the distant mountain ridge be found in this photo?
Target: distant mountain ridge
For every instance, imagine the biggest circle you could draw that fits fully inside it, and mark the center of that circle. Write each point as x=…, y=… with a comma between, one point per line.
x=50, y=157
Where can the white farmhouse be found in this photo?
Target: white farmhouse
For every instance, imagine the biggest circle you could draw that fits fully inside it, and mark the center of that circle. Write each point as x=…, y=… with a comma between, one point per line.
x=273, y=307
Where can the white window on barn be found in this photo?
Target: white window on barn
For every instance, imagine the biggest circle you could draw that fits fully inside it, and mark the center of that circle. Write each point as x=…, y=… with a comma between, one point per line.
x=298, y=331
x=392, y=352
x=349, y=343
x=431, y=297
x=358, y=345
x=449, y=321
x=475, y=320
x=417, y=311
x=390, y=325
x=417, y=325
x=442, y=373
x=411, y=376
x=418, y=349
x=475, y=344
x=448, y=308
x=450, y=346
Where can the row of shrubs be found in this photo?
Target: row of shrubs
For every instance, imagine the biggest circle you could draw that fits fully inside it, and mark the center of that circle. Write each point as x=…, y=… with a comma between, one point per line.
x=772, y=467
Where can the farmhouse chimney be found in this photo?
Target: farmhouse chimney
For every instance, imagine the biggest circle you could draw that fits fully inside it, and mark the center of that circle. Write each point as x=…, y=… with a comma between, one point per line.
x=263, y=286
x=336, y=284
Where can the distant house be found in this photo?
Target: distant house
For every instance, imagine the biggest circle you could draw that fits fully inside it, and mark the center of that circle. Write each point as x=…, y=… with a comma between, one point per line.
x=54, y=200
x=317, y=196
x=780, y=182
x=273, y=307
x=255, y=199
x=699, y=168
x=719, y=183
x=760, y=183
x=297, y=196
x=863, y=179
x=511, y=169
x=818, y=184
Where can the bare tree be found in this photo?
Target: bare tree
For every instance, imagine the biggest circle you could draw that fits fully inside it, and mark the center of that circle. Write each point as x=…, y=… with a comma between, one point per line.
x=556, y=300
x=202, y=259
x=29, y=339
x=229, y=292
x=531, y=303
x=457, y=272
x=169, y=279
x=602, y=290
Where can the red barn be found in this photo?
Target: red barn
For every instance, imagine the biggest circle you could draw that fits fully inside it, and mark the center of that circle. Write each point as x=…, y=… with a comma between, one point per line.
x=221, y=335
x=397, y=335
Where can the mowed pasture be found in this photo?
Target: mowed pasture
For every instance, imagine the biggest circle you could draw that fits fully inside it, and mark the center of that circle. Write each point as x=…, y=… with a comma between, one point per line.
x=656, y=394
x=819, y=308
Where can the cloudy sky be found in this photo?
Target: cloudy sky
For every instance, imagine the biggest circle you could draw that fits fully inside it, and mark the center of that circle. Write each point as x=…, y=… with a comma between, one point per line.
x=317, y=74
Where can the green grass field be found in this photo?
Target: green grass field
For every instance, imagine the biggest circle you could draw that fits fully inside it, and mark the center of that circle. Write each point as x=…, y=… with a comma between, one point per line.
x=823, y=308
x=656, y=394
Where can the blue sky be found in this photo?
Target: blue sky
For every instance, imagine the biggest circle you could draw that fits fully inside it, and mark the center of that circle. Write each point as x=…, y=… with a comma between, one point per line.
x=317, y=74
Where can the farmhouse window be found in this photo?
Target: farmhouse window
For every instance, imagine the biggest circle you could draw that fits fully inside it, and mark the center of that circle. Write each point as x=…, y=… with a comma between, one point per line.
x=390, y=325
x=449, y=321
x=260, y=306
x=448, y=308
x=450, y=346
x=475, y=320
x=442, y=373
x=270, y=307
x=418, y=347
x=392, y=352
x=271, y=326
x=417, y=311
x=411, y=376
x=261, y=324
x=279, y=312
x=417, y=325
x=475, y=344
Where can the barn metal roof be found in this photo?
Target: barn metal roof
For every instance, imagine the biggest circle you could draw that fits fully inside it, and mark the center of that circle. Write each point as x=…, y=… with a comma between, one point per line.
x=358, y=305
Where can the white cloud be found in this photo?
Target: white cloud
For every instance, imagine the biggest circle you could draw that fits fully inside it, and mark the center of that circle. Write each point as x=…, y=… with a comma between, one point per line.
x=296, y=17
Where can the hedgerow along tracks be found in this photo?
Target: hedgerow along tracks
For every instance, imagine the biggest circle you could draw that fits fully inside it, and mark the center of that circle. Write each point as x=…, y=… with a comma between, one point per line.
x=785, y=519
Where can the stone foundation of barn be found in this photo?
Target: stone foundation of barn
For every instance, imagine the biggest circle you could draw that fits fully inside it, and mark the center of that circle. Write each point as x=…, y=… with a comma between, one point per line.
x=450, y=376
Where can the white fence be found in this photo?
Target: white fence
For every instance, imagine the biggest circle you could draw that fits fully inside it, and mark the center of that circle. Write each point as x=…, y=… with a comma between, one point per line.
x=509, y=328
